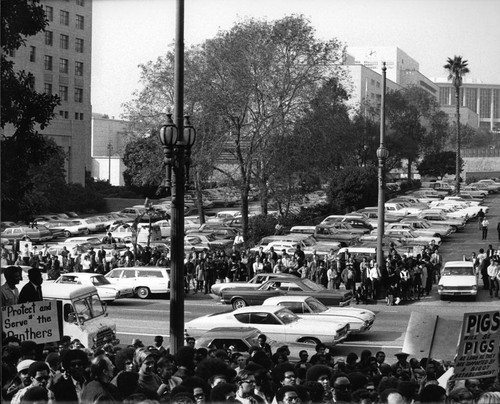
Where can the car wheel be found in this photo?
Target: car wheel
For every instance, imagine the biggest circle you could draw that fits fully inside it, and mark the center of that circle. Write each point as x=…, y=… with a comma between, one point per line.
x=86, y=232
x=142, y=292
x=67, y=234
x=239, y=303
x=310, y=340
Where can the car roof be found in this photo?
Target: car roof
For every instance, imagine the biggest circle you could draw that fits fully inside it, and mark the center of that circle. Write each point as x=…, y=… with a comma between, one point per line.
x=459, y=264
x=253, y=309
x=140, y=268
x=82, y=274
x=68, y=291
x=290, y=298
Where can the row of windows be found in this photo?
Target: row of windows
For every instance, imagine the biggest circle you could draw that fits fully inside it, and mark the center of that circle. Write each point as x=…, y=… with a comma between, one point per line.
x=63, y=92
x=63, y=65
x=469, y=98
x=65, y=115
x=64, y=17
x=63, y=41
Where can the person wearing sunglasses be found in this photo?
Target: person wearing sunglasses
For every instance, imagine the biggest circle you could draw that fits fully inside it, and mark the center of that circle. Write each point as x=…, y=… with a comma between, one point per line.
x=246, y=384
x=39, y=374
x=68, y=388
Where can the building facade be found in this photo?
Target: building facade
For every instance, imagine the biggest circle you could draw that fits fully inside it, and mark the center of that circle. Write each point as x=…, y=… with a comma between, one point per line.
x=109, y=138
x=481, y=99
x=60, y=60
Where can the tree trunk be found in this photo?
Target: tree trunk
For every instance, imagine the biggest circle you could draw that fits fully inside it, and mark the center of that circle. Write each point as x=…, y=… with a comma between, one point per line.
x=410, y=162
x=199, y=197
x=457, y=166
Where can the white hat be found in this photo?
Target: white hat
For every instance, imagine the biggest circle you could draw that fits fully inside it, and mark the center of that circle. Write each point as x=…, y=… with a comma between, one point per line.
x=23, y=365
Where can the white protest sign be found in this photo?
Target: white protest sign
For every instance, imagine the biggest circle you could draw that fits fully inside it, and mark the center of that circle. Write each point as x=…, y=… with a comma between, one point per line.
x=33, y=321
x=477, y=353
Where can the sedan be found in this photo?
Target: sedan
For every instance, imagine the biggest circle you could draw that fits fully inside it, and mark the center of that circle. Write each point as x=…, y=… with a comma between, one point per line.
x=207, y=240
x=243, y=338
x=66, y=228
x=291, y=286
x=107, y=291
x=255, y=282
x=359, y=320
x=458, y=278
x=275, y=322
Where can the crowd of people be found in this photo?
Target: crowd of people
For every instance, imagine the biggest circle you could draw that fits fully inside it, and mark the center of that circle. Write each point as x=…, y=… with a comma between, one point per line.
x=69, y=373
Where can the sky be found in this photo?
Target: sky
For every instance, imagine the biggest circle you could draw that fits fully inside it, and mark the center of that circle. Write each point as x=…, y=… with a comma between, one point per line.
x=127, y=33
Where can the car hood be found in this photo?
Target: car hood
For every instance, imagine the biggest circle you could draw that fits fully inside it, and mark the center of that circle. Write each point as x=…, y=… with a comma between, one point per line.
x=458, y=280
x=350, y=312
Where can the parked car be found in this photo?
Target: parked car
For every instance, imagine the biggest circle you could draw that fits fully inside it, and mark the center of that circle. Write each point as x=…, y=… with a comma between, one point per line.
x=417, y=230
x=207, y=240
x=406, y=236
x=493, y=186
x=4, y=225
x=255, y=282
x=276, y=322
x=458, y=278
x=359, y=320
x=474, y=192
x=332, y=232
x=343, y=227
x=36, y=233
x=241, y=297
x=66, y=228
x=243, y=338
x=92, y=224
x=437, y=217
x=439, y=230
x=107, y=291
x=143, y=280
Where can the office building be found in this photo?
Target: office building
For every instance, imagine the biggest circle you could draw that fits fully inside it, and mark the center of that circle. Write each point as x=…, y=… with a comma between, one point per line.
x=60, y=60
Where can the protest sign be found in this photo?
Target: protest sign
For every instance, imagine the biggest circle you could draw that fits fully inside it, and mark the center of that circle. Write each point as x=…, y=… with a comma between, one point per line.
x=477, y=353
x=33, y=321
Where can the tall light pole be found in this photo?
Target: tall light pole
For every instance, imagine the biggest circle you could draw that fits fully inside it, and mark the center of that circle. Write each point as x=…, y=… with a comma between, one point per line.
x=177, y=138
x=382, y=154
x=110, y=150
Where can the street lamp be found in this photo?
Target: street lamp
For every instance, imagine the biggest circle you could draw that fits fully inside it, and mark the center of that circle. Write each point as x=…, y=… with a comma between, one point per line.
x=110, y=150
x=382, y=155
x=177, y=143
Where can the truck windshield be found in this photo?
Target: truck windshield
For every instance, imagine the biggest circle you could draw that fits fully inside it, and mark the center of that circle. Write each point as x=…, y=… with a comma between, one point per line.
x=88, y=308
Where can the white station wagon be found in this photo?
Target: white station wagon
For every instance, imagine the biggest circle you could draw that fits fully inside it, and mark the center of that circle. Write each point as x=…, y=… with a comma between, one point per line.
x=143, y=280
x=458, y=278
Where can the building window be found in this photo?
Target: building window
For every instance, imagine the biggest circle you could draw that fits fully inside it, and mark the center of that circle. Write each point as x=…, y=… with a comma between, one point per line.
x=63, y=66
x=47, y=62
x=49, y=38
x=79, y=116
x=471, y=98
x=31, y=81
x=79, y=45
x=80, y=2
x=64, y=41
x=49, y=13
x=32, y=54
x=64, y=114
x=78, y=68
x=64, y=17
x=47, y=88
x=79, y=22
x=485, y=103
x=78, y=95
x=63, y=93
x=444, y=95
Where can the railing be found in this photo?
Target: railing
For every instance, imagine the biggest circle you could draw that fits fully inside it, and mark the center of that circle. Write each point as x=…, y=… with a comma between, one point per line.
x=480, y=152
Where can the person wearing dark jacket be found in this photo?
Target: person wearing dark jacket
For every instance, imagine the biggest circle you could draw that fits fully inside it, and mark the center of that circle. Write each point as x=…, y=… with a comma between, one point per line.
x=32, y=291
x=67, y=389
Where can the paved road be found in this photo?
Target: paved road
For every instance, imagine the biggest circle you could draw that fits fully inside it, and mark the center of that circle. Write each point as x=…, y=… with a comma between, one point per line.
x=145, y=319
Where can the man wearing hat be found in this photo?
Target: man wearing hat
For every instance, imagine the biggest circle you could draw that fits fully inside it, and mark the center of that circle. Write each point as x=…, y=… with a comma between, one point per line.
x=137, y=343
x=159, y=344
x=21, y=380
x=402, y=363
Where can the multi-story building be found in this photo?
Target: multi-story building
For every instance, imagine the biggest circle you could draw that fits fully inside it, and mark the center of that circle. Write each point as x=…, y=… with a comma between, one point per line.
x=482, y=99
x=109, y=138
x=60, y=60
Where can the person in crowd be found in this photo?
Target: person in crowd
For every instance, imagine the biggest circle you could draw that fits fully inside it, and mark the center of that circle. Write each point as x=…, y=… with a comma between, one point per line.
x=484, y=228
x=39, y=375
x=68, y=387
x=10, y=293
x=32, y=291
x=493, y=271
x=99, y=389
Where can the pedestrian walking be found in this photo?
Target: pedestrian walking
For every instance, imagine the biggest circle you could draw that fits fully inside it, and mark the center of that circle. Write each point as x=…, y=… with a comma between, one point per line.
x=484, y=227
x=480, y=218
x=493, y=270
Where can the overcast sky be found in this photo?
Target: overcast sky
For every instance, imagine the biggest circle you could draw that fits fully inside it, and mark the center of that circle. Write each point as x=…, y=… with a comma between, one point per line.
x=127, y=33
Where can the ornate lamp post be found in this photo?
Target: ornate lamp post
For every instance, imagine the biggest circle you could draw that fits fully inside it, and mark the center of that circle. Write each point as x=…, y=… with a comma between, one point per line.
x=382, y=155
x=110, y=150
x=177, y=150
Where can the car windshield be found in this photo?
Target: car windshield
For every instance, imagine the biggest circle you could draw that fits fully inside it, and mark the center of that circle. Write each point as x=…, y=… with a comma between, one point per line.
x=459, y=271
x=286, y=316
x=310, y=285
x=100, y=280
x=88, y=308
x=316, y=306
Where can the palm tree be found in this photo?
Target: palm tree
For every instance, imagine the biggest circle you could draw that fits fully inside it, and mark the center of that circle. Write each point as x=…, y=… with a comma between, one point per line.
x=457, y=69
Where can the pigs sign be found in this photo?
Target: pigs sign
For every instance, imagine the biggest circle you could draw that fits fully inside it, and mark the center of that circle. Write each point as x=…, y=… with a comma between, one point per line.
x=477, y=354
